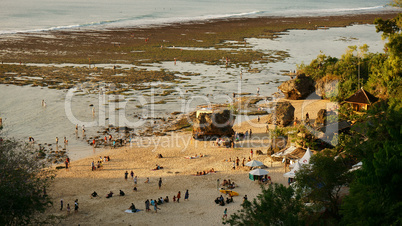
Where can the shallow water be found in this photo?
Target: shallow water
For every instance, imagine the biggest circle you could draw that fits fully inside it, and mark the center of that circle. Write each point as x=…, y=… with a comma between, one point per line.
x=44, y=15
x=23, y=115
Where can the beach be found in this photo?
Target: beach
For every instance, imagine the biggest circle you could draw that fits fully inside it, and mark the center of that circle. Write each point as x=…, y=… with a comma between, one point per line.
x=145, y=47
x=178, y=174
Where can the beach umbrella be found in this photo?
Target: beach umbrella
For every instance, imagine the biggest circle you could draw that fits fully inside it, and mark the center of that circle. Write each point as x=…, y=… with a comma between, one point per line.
x=258, y=172
x=253, y=163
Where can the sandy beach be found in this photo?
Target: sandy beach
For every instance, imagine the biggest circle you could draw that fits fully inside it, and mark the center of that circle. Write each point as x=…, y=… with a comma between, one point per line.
x=79, y=181
x=178, y=173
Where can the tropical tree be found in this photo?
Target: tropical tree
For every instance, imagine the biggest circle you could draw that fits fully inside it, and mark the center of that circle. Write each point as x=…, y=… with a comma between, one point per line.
x=375, y=197
x=277, y=205
x=323, y=179
x=23, y=183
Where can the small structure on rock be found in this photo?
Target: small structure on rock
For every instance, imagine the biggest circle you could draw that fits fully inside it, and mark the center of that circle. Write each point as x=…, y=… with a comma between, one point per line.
x=210, y=122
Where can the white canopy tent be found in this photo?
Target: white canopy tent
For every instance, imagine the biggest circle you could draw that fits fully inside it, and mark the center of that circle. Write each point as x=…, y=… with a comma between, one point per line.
x=292, y=173
x=304, y=160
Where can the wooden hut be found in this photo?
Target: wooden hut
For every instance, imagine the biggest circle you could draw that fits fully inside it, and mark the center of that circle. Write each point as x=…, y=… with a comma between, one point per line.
x=361, y=100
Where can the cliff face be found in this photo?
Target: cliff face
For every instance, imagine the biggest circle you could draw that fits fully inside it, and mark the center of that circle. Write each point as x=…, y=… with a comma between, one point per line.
x=298, y=88
x=218, y=124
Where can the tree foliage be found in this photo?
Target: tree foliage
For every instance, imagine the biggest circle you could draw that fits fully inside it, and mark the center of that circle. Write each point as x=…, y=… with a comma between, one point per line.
x=375, y=197
x=323, y=180
x=277, y=205
x=23, y=180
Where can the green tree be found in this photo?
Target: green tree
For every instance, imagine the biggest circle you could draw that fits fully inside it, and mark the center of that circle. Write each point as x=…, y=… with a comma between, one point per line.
x=323, y=180
x=23, y=180
x=277, y=205
x=375, y=195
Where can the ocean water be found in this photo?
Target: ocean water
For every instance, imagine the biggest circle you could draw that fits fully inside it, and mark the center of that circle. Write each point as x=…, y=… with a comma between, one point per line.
x=42, y=15
x=23, y=115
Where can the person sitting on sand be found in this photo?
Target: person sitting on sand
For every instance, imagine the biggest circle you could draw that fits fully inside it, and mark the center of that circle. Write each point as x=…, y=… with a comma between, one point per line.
x=166, y=199
x=94, y=194
x=147, y=181
x=132, y=208
x=157, y=167
x=122, y=193
x=135, y=189
x=159, y=202
x=110, y=195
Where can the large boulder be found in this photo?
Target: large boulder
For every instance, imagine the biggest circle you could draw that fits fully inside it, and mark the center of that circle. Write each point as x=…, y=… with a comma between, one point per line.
x=283, y=114
x=321, y=117
x=327, y=87
x=298, y=88
x=216, y=124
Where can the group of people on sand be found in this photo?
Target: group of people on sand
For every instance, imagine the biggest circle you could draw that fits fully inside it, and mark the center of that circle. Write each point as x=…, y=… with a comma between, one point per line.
x=221, y=201
x=201, y=173
x=68, y=206
x=99, y=164
x=159, y=201
x=228, y=184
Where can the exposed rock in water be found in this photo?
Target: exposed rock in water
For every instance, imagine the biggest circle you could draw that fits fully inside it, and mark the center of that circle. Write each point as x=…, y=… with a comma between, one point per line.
x=181, y=122
x=298, y=88
x=283, y=114
x=219, y=123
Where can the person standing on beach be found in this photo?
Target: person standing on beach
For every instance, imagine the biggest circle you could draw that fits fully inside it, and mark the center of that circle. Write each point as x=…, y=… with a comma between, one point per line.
x=234, y=165
x=178, y=197
x=160, y=182
x=251, y=132
x=186, y=195
x=251, y=153
x=135, y=180
x=217, y=184
x=76, y=205
x=147, y=205
x=68, y=208
x=132, y=174
x=225, y=214
x=126, y=175
x=61, y=204
x=57, y=140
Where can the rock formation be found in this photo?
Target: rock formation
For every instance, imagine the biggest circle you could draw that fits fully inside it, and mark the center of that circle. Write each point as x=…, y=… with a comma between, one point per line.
x=283, y=114
x=326, y=87
x=321, y=117
x=216, y=124
x=298, y=88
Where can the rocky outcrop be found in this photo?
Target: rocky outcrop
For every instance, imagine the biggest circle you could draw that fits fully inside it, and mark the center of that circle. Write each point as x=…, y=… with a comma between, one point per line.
x=180, y=122
x=326, y=87
x=216, y=124
x=298, y=88
x=283, y=114
x=321, y=117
